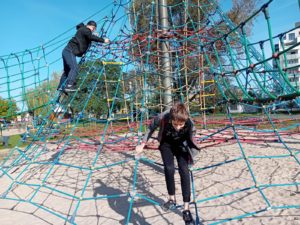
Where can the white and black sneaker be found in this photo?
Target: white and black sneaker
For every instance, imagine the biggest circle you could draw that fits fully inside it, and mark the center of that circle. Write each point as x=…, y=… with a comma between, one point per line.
x=187, y=217
x=70, y=88
x=169, y=205
x=58, y=108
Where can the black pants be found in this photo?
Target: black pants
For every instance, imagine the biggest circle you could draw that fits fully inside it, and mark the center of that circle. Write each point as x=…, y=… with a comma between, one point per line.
x=168, y=151
x=70, y=68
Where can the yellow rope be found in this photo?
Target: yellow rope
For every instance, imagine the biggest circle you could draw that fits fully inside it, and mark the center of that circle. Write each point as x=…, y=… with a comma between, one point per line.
x=112, y=63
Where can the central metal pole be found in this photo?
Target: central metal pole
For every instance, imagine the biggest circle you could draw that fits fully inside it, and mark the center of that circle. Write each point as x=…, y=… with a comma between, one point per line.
x=165, y=59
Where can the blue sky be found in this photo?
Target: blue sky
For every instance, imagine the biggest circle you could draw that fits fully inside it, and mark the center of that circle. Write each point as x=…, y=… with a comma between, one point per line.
x=30, y=23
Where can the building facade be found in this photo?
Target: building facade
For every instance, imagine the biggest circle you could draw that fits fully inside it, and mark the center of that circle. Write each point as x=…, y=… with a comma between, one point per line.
x=291, y=59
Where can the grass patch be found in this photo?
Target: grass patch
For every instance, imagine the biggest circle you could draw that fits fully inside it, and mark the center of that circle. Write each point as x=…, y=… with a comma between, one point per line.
x=13, y=141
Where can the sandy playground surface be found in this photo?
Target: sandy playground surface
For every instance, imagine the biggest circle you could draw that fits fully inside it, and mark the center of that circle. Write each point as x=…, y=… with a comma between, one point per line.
x=53, y=202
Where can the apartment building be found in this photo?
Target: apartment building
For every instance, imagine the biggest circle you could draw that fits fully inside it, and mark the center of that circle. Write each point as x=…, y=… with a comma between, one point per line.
x=291, y=60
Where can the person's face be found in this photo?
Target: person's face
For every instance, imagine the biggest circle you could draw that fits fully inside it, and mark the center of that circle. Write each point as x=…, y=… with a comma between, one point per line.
x=93, y=28
x=178, y=125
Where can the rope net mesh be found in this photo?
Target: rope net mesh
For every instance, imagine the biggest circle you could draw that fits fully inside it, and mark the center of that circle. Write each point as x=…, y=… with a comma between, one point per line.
x=81, y=156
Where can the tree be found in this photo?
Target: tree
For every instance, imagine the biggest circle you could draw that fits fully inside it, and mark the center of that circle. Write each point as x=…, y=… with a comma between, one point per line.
x=8, y=108
x=190, y=24
x=241, y=10
x=37, y=98
x=100, y=101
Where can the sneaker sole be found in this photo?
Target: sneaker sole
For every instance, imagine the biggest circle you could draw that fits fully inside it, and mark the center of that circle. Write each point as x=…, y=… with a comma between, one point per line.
x=190, y=223
x=165, y=209
x=70, y=91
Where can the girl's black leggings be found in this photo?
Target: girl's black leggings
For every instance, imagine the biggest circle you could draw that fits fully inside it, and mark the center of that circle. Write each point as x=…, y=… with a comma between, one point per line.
x=168, y=151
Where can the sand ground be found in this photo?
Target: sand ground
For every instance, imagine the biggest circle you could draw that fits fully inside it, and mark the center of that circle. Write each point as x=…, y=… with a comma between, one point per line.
x=44, y=192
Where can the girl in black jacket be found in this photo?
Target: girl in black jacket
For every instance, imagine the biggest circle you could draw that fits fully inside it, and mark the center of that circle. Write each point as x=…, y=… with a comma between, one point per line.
x=176, y=140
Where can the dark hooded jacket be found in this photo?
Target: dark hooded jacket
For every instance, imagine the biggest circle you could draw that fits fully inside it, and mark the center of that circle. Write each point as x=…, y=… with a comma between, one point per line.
x=163, y=122
x=82, y=40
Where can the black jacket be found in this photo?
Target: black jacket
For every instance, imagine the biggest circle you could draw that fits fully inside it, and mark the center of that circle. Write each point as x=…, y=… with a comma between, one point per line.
x=160, y=122
x=82, y=40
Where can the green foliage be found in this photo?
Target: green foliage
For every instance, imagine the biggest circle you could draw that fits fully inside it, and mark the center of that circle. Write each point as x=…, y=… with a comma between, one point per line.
x=14, y=140
x=8, y=108
x=184, y=17
x=141, y=12
x=241, y=10
x=100, y=101
x=38, y=98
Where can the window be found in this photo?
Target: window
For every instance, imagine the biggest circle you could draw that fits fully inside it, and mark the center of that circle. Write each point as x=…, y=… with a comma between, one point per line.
x=292, y=36
x=292, y=61
x=293, y=79
x=294, y=52
x=292, y=71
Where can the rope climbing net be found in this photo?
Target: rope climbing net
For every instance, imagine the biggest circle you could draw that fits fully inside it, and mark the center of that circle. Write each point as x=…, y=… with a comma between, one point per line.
x=80, y=156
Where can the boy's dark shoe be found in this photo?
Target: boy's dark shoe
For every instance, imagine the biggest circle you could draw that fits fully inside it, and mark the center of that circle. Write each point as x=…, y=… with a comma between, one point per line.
x=187, y=217
x=70, y=88
x=61, y=90
x=169, y=205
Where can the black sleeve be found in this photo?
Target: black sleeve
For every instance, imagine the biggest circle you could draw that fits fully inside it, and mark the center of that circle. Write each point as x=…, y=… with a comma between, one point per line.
x=92, y=37
x=96, y=38
x=155, y=123
x=192, y=130
x=152, y=127
x=191, y=134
